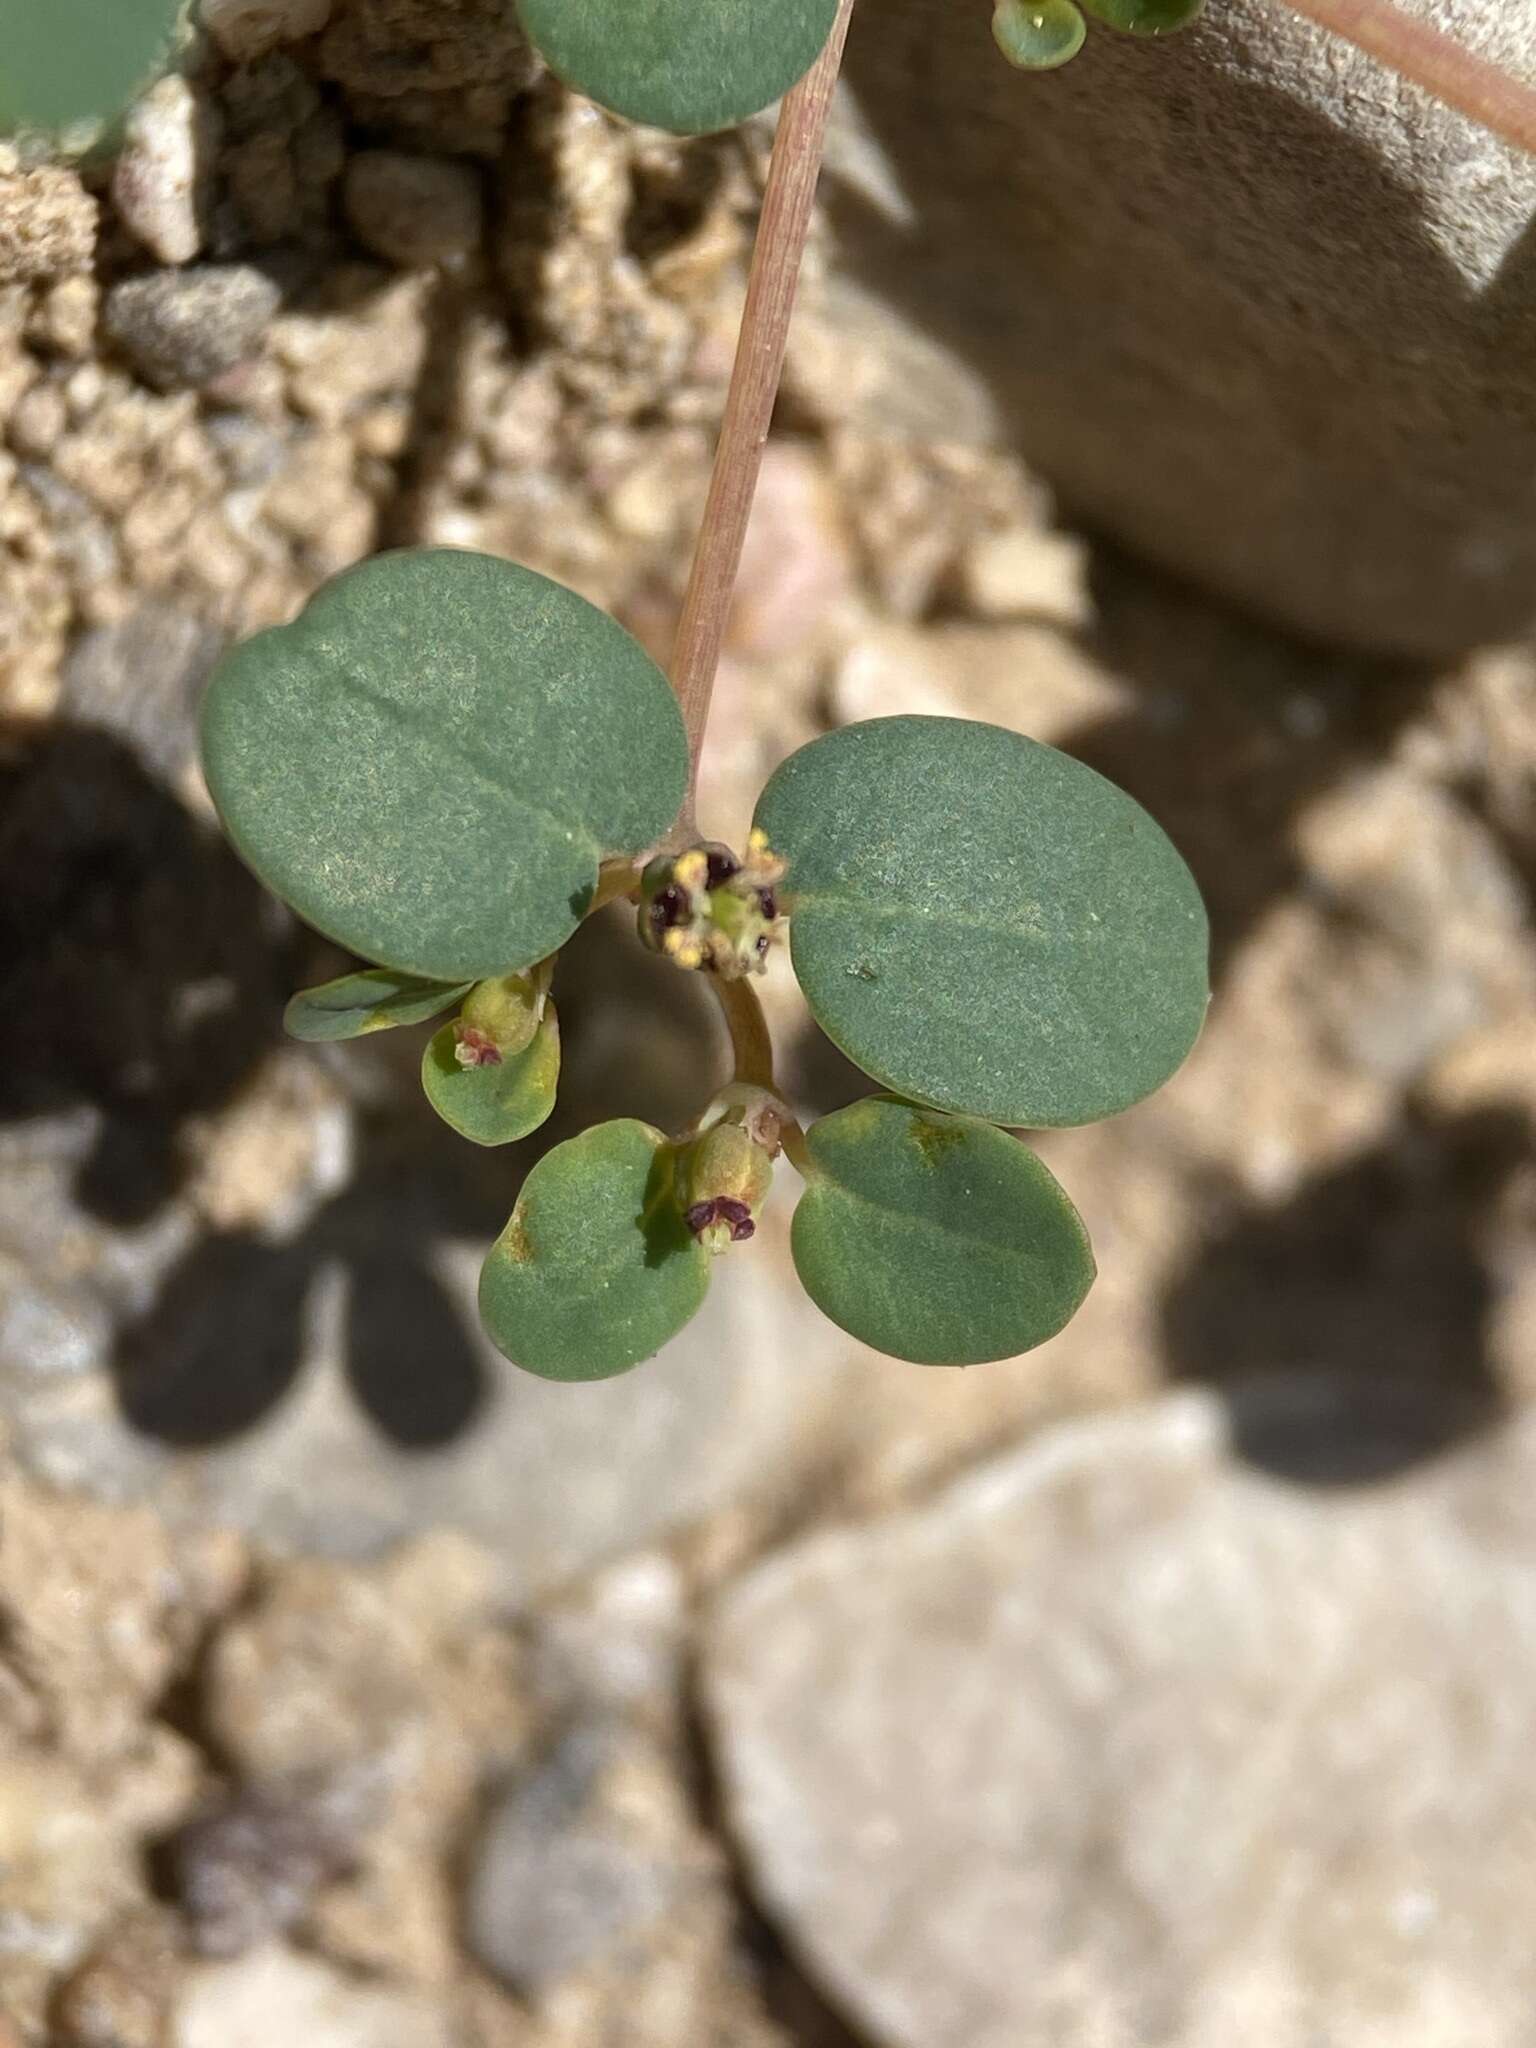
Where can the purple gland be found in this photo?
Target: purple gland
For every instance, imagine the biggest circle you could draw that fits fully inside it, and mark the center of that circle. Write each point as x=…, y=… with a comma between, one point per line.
x=474, y=1048
x=768, y=904
x=669, y=908
x=722, y=868
x=723, y=1209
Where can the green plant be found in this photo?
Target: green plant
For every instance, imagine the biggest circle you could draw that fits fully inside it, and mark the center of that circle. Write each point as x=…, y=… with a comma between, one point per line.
x=1039, y=35
x=448, y=762
x=68, y=68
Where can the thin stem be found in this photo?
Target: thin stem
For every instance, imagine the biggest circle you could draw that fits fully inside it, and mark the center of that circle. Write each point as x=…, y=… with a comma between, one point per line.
x=752, y=1048
x=750, y=1042
x=615, y=879
x=1433, y=60
x=785, y=222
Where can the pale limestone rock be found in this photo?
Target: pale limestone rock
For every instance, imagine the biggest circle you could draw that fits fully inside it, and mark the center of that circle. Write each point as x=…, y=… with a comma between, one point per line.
x=1254, y=306
x=100, y=1609
x=1117, y=1742
x=276, y=1995
x=47, y=225
x=1019, y=572
x=163, y=174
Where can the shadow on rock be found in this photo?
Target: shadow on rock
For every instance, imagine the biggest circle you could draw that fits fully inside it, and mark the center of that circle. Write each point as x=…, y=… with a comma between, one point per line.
x=145, y=971
x=1233, y=733
x=1361, y=1305
x=228, y=1336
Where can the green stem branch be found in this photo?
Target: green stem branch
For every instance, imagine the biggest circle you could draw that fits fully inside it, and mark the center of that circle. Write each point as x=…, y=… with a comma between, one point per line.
x=751, y=1045
x=752, y=1049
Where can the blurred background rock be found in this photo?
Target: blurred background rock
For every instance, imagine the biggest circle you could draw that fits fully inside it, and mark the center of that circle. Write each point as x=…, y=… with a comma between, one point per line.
x=355, y=1691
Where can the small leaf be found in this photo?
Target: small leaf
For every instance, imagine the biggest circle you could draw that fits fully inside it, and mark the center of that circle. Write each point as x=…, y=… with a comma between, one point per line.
x=430, y=763
x=983, y=923
x=499, y=1103
x=1145, y=17
x=74, y=63
x=596, y=1269
x=376, y=999
x=936, y=1238
x=1038, y=35
x=693, y=66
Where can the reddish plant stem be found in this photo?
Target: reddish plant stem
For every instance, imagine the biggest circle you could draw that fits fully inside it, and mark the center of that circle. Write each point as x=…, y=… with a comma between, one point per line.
x=786, y=218
x=1427, y=57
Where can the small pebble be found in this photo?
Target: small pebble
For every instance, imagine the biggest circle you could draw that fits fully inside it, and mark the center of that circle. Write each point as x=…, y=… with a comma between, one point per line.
x=63, y=321
x=563, y=1877
x=121, y=1996
x=415, y=211
x=1022, y=573
x=185, y=327
x=244, y=29
x=37, y=421
x=47, y=225
x=248, y=1871
x=160, y=182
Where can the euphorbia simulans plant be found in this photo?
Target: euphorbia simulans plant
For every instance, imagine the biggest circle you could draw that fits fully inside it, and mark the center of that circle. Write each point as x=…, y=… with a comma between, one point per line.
x=448, y=762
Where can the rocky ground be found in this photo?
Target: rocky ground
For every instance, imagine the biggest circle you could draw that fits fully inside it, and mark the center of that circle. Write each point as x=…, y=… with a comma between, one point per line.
x=355, y=1692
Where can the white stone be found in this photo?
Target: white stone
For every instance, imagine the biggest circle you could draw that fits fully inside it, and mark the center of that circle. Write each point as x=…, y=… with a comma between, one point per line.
x=274, y=1996
x=161, y=179
x=1120, y=1743
x=1023, y=573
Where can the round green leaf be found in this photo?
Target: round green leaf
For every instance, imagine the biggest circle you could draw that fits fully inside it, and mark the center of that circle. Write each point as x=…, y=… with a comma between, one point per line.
x=936, y=1238
x=430, y=763
x=377, y=999
x=494, y=1105
x=1145, y=17
x=596, y=1269
x=689, y=65
x=77, y=62
x=984, y=924
x=1038, y=35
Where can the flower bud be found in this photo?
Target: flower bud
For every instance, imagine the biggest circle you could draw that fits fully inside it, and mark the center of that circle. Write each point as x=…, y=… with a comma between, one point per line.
x=723, y=1183
x=499, y=1018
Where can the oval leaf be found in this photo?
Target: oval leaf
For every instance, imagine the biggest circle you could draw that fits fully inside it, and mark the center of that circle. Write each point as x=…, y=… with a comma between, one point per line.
x=377, y=999
x=596, y=1269
x=1146, y=17
x=689, y=65
x=936, y=1238
x=76, y=62
x=984, y=924
x=1038, y=35
x=494, y=1105
x=431, y=762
